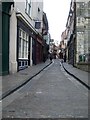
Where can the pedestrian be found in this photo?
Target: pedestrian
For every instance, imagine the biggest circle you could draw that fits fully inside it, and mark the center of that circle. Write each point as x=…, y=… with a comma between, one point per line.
x=51, y=57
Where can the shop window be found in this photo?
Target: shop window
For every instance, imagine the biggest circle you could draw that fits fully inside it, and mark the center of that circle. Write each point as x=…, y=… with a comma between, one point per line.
x=25, y=62
x=19, y=63
x=22, y=63
x=23, y=44
x=19, y=47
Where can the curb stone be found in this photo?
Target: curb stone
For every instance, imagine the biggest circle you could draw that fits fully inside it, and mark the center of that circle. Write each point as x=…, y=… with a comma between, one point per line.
x=87, y=86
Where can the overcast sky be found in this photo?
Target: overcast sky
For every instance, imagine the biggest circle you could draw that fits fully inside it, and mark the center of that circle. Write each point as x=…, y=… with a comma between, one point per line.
x=57, y=13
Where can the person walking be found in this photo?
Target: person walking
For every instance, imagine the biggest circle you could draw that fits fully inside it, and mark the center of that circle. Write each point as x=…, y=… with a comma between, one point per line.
x=51, y=57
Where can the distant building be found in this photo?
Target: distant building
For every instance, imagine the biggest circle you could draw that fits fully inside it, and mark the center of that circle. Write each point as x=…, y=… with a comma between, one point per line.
x=83, y=34
x=77, y=26
x=70, y=28
x=82, y=25
x=63, y=44
x=45, y=24
x=46, y=37
x=51, y=45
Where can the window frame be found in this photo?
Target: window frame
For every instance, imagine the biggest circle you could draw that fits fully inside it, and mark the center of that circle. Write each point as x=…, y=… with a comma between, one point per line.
x=23, y=44
x=28, y=7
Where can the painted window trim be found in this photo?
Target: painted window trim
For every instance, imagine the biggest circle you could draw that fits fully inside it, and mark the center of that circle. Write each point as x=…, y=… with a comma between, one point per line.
x=28, y=8
x=23, y=52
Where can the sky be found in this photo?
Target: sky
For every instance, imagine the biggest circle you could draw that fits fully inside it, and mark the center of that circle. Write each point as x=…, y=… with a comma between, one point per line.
x=57, y=13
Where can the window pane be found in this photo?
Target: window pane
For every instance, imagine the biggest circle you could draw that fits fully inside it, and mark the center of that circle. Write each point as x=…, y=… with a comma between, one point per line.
x=19, y=63
x=28, y=7
x=27, y=49
x=19, y=32
x=23, y=49
x=25, y=62
x=23, y=34
x=23, y=44
x=27, y=37
x=22, y=63
x=19, y=47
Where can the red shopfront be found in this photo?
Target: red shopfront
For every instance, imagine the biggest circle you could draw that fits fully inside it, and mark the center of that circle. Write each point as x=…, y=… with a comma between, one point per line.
x=39, y=50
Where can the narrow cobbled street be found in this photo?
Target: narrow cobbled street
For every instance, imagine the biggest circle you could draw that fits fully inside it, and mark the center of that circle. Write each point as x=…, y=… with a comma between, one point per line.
x=44, y=60
x=51, y=94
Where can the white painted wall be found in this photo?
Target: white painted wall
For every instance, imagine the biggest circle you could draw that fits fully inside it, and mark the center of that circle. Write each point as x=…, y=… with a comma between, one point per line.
x=37, y=16
x=19, y=7
x=13, y=43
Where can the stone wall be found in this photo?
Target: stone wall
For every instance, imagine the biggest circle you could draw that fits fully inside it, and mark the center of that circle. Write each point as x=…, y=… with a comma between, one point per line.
x=84, y=66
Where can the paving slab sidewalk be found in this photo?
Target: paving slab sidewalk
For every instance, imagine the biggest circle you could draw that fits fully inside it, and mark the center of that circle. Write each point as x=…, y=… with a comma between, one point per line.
x=13, y=81
x=80, y=74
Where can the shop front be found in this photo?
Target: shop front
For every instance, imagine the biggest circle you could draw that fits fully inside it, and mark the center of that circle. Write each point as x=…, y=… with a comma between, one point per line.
x=6, y=6
x=23, y=47
x=39, y=50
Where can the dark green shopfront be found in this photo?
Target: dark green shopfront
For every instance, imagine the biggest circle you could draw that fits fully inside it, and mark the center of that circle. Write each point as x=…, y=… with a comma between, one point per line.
x=4, y=52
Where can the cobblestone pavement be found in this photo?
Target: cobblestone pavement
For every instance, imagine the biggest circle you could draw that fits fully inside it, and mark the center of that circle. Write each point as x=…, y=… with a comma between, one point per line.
x=51, y=94
x=13, y=81
x=80, y=74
